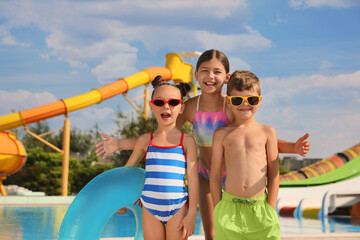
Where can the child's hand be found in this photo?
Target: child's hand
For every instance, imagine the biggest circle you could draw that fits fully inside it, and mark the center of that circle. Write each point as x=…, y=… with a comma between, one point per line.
x=302, y=146
x=121, y=211
x=187, y=225
x=107, y=146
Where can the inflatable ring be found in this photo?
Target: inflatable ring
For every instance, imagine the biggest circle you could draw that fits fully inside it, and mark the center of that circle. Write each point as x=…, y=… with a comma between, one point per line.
x=100, y=199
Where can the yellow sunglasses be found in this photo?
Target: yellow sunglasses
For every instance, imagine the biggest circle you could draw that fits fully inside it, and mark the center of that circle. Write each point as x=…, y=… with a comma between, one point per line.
x=238, y=100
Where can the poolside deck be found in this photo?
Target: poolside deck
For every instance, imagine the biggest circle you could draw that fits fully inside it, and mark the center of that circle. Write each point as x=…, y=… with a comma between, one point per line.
x=49, y=200
x=331, y=236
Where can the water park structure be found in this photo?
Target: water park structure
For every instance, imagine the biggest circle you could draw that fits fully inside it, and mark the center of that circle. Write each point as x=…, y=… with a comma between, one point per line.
x=175, y=69
x=337, y=170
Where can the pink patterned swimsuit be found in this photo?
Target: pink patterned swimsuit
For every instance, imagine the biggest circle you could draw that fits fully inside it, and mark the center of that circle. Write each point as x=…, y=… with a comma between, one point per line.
x=204, y=126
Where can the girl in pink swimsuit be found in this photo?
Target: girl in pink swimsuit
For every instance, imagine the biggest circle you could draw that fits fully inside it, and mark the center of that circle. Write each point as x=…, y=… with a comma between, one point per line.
x=207, y=112
x=204, y=126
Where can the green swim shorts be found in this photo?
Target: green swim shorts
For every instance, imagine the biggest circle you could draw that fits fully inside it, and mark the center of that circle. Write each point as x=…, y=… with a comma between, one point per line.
x=245, y=218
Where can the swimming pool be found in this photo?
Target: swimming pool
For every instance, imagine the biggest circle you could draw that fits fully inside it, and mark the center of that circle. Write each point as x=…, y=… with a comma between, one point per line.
x=43, y=223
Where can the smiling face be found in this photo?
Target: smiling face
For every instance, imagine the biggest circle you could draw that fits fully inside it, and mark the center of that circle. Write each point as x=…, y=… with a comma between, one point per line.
x=244, y=111
x=211, y=76
x=166, y=114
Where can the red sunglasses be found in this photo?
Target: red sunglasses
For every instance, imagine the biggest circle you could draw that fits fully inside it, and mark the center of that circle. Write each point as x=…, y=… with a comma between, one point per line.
x=172, y=102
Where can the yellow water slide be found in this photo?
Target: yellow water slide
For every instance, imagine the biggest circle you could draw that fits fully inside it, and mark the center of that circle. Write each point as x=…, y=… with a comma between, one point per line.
x=175, y=69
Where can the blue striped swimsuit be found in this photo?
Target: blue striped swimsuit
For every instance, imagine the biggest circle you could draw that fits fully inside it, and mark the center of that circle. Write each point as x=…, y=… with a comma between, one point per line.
x=164, y=190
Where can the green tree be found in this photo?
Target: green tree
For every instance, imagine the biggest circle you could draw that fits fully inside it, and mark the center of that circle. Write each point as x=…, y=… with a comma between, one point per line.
x=80, y=141
x=37, y=128
x=42, y=171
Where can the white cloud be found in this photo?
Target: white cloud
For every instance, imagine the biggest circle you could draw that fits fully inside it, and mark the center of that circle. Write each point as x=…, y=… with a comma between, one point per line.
x=7, y=38
x=45, y=57
x=305, y=84
x=22, y=100
x=278, y=21
x=325, y=65
x=325, y=106
x=86, y=118
x=87, y=33
x=250, y=40
x=342, y=80
x=323, y=3
x=116, y=66
x=212, y=7
x=238, y=64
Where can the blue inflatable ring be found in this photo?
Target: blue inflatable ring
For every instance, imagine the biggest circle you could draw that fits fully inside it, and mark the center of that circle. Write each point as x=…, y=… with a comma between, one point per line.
x=98, y=201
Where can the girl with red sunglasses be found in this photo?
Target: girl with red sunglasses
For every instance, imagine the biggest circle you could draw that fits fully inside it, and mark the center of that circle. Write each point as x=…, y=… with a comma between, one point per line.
x=168, y=207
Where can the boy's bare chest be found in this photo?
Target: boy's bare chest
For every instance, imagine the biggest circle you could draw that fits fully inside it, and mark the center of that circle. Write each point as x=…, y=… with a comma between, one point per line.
x=245, y=140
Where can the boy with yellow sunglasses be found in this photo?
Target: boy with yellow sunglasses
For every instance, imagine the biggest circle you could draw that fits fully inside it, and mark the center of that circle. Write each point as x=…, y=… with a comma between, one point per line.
x=245, y=209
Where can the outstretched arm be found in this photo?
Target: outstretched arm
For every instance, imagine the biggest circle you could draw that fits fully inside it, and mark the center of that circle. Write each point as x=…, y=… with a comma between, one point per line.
x=301, y=146
x=111, y=145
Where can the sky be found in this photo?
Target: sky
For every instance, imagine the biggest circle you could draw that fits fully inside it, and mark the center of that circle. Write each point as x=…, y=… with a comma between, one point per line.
x=306, y=54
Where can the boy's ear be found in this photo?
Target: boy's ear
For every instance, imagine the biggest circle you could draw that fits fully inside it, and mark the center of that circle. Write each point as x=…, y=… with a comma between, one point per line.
x=227, y=78
x=196, y=75
x=228, y=101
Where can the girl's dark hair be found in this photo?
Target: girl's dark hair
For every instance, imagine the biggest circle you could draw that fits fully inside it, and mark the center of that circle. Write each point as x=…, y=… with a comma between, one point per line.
x=212, y=53
x=160, y=81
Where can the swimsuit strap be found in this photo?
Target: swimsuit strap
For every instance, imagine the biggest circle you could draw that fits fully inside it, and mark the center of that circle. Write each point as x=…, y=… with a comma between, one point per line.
x=182, y=137
x=224, y=104
x=151, y=136
x=197, y=105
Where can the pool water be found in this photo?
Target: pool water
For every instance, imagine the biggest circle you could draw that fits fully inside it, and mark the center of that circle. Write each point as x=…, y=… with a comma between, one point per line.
x=43, y=222
x=315, y=226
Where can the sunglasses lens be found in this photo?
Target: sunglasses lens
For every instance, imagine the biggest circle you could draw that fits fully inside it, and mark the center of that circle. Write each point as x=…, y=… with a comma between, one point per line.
x=174, y=102
x=236, y=101
x=158, y=102
x=253, y=100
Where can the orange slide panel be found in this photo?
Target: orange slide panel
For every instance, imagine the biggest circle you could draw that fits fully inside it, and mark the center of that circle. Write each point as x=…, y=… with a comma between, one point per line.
x=352, y=153
x=43, y=112
x=155, y=71
x=356, y=150
x=13, y=155
x=113, y=89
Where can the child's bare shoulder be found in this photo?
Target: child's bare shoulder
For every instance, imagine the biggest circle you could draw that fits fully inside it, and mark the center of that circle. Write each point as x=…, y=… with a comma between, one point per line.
x=144, y=139
x=190, y=108
x=191, y=102
x=223, y=131
x=189, y=138
x=269, y=130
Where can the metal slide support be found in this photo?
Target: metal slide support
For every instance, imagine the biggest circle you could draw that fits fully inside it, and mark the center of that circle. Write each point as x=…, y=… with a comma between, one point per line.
x=2, y=189
x=146, y=102
x=65, y=160
x=146, y=97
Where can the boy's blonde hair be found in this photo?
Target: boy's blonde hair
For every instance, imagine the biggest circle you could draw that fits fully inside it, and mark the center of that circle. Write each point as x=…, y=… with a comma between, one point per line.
x=243, y=80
